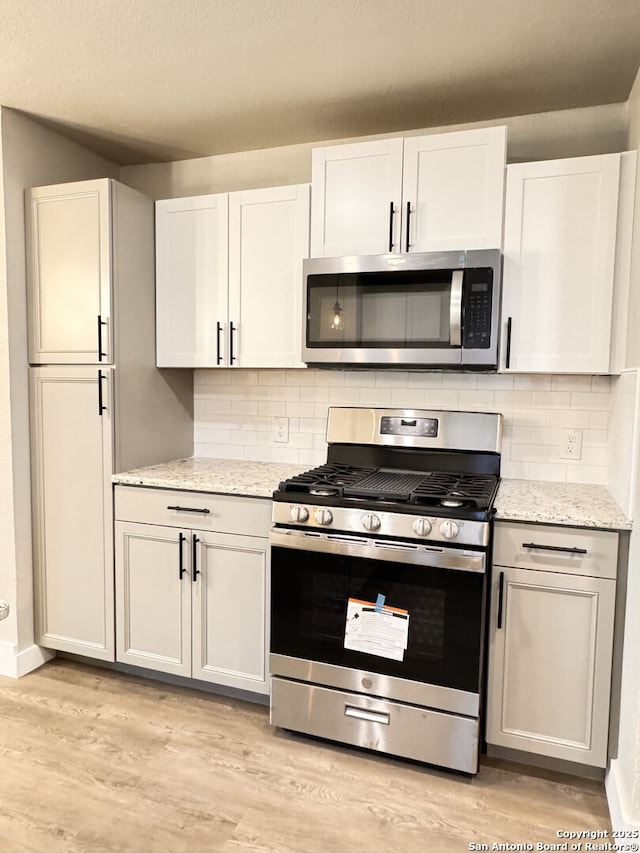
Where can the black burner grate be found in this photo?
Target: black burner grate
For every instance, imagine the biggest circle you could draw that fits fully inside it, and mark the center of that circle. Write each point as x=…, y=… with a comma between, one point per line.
x=397, y=485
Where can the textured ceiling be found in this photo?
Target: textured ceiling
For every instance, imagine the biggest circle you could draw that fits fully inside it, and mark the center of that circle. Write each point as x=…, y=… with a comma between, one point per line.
x=151, y=80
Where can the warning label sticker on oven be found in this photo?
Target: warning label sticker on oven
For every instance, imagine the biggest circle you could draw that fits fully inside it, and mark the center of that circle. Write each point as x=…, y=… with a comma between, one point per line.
x=376, y=629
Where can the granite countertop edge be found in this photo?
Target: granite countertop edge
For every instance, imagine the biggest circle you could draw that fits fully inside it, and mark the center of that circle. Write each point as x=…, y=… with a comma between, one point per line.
x=529, y=501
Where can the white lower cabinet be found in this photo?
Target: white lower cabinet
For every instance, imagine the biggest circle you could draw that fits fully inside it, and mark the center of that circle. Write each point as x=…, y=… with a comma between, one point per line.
x=192, y=591
x=551, y=640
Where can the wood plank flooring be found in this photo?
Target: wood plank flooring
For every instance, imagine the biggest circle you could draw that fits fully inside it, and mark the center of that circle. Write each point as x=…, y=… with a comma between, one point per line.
x=92, y=760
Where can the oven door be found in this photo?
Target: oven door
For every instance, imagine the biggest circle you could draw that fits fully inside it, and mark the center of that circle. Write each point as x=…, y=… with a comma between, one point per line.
x=319, y=579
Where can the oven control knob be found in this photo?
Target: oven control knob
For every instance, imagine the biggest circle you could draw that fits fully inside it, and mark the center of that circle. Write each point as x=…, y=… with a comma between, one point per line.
x=421, y=527
x=323, y=516
x=370, y=521
x=449, y=529
x=298, y=513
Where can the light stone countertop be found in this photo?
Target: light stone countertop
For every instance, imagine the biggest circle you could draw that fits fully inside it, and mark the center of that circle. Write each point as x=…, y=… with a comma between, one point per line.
x=218, y=476
x=574, y=504
x=536, y=501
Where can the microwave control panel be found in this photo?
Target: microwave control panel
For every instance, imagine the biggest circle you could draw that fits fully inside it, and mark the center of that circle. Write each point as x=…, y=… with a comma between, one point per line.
x=477, y=315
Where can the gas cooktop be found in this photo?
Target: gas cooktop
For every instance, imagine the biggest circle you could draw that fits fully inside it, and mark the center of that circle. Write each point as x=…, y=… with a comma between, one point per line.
x=345, y=484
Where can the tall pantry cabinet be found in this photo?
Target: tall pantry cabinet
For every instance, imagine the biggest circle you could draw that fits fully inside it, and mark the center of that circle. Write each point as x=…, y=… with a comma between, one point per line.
x=98, y=403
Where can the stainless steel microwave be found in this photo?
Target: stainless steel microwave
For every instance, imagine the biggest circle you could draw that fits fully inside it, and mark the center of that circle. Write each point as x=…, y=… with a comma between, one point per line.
x=428, y=310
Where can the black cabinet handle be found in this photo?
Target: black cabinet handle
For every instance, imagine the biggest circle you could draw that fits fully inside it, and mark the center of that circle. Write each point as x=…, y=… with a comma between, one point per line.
x=554, y=548
x=408, y=221
x=101, y=323
x=101, y=407
x=391, y=212
x=190, y=509
x=232, y=329
x=181, y=568
x=500, y=599
x=218, y=330
x=508, y=357
x=194, y=558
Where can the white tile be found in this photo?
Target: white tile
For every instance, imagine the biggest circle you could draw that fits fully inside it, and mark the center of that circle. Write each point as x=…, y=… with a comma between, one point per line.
x=529, y=452
x=531, y=382
x=513, y=399
x=330, y=378
x=244, y=377
x=271, y=408
x=570, y=383
x=344, y=396
x=557, y=473
x=589, y=401
x=514, y=470
x=285, y=454
x=551, y=399
x=477, y=400
x=313, y=425
x=601, y=384
x=459, y=380
x=598, y=420
x=301, y=441
x=424, y=380
x=594, y=438
x=545, y=435
x=312, y=458
x=392, y=379
x=258, y=454
x=496, y=382
x=518, y=434
x=314, y=394
x=375, y=397
x=571, y=419
x=360, y=378
x=296, y=410
x=408, y=398
x=244, y=407
x=435, y=398
x=272, y=377
x=301, y=377
x=587, y=474
x=285, y=392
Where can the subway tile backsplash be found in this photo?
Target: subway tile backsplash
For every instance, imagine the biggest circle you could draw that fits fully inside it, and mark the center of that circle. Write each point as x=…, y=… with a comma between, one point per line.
x=235, y=409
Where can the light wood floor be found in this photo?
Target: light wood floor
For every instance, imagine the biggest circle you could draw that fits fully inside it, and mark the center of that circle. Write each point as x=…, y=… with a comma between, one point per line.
x=92, y=760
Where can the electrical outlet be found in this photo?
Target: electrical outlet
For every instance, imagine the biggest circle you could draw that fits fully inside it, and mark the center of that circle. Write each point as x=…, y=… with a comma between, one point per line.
x=280, y=429
x=4, y=609
x=571, y=447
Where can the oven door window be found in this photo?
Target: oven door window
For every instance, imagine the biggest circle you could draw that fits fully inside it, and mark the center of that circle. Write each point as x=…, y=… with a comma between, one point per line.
x=309, y=596
x=409, y=310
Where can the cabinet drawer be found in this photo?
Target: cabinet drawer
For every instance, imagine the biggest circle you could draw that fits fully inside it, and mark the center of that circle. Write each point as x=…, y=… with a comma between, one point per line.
x=200, y=510
x=596, y=551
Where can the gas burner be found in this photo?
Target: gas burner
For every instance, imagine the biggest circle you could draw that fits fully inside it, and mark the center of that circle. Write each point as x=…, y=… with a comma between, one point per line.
x=451, y=502
x=323, y=491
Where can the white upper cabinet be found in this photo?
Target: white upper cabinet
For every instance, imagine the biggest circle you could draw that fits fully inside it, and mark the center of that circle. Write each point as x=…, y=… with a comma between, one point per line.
x=424, y=193
x=268, y=239
x=229, y=278
x=356, y=198
x=559, y=257
x=69, y=264
x=191, y=280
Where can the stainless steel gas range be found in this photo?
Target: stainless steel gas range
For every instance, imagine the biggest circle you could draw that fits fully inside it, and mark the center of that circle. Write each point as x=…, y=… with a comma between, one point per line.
x=379, y=565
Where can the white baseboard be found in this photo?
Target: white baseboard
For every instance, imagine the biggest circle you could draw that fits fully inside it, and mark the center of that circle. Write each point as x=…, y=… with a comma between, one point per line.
x=14, y=664
x=617, y=800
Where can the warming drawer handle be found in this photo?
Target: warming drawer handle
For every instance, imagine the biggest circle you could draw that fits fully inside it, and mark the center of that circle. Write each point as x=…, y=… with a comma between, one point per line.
x=554, y=548
x=369, y=716
x=203, y=510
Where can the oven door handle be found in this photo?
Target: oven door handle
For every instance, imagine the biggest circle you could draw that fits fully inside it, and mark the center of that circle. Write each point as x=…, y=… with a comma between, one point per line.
x=372, y=549
x=455, y=309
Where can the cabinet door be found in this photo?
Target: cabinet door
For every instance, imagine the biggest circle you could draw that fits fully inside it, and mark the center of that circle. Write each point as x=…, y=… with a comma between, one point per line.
x=191, y=281
x=153, y=597
x=230, y=632
x=453, y=190
x=268, y=239
x=550, y=664
x=354, y=189
x=72, y=463
x=69, y=273
x=559, y=252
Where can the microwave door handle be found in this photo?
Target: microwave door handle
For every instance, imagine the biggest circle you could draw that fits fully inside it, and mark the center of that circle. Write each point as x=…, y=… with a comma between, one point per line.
x=455, y=309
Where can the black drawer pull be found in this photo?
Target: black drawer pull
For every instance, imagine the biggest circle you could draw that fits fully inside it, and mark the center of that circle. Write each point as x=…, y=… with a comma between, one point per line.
x=181, y=569
x=194, y=558
x=554, y=548
x=190, y=509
